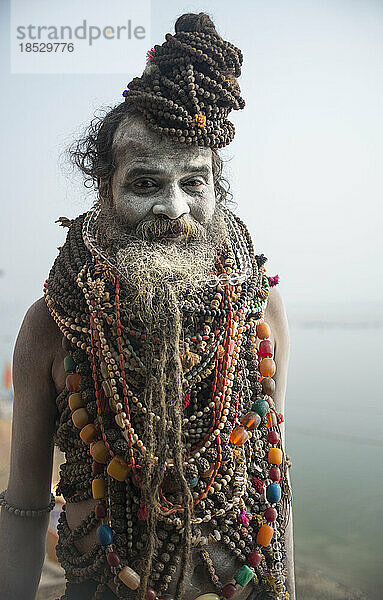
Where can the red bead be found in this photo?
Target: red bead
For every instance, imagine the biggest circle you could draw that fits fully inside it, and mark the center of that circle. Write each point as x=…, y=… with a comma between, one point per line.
x=273, y=437
x=113, y=559
x=150, y=594
x=97, y=468
x=270, y=514
x=275, y=474
x=254, y=559
x=228, y=590
x=265, y=349
x=100, y=510
x=72, y=382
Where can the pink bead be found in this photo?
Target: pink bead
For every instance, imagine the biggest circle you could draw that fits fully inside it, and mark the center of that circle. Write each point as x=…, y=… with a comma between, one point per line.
x=228, y=590
x=270, y=514
x=254, y=559
x=265, y=349
x=150, y=594
x=273, y=437
x=100, y=510
x=275, y=474
x=113, y=559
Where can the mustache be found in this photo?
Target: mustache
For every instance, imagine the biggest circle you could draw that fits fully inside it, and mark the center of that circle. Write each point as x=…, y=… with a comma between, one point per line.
x=162, y=226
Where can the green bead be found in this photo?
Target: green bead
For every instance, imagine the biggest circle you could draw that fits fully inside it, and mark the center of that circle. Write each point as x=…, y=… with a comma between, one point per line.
x=244, y=575
x=261, y=407
x=69, y=364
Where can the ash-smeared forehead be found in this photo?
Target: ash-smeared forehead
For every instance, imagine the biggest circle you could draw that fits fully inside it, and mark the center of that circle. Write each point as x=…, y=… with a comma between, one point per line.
x=134, y=139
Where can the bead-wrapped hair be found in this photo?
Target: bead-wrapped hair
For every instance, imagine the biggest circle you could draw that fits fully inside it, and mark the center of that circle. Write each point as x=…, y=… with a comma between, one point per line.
x=189, y=85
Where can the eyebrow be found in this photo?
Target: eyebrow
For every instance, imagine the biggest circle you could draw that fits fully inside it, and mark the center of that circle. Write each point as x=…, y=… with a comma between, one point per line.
x=143, y=170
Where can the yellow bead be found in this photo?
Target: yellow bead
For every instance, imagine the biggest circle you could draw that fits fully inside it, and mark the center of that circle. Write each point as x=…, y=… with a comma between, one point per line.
x=274, y=456
x=75, y=401
x=129, y=577
x=99, y=452
x=98, y=488
x=265, y=535
x=118, y=469
x=80, y=418
x=210, y=596
x=88, y=433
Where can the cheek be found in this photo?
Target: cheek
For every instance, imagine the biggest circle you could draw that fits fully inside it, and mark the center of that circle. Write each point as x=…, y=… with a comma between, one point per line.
x=203, y=208
x=131, y=209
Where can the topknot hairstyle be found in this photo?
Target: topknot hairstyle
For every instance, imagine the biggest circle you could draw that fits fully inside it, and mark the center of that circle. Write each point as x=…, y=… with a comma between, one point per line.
x=189, y=85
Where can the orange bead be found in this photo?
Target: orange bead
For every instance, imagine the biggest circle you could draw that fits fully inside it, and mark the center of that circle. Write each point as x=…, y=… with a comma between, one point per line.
x=239, y=436
x=98, y=489
x=274, y=456
x=72, y=382
x=75, y=401
x=271, y=420
x=263, y=331
x=88, y=433
x=99, y=452
x=118, y=469
x=265, y=535
x=80, y=418
x=267, y=367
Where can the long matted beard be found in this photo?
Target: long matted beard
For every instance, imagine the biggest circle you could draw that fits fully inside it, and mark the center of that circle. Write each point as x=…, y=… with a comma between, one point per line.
x=156, y=269
x=157, y=272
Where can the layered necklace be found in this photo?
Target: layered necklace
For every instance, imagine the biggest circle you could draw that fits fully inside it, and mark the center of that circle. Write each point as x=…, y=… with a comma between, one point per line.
x=232, y=452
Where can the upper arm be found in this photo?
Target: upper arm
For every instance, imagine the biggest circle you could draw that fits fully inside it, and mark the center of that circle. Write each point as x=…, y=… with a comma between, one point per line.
x=34, y=410
x=275, y=316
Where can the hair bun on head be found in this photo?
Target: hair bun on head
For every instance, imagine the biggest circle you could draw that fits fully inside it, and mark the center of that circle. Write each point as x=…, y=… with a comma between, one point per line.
x=192, y=22
x=189, y=86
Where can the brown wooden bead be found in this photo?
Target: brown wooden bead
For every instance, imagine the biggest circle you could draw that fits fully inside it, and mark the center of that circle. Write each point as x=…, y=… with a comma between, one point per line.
x=99, y=452
x=88, y=433
x=80, y=418
x=75, y=401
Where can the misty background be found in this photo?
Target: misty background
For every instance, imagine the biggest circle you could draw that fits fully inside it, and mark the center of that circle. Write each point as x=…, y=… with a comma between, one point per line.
x=305, y=169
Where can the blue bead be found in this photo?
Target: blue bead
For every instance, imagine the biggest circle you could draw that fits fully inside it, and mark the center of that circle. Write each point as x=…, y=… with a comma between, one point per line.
x=104, y=535
x=273, y=493
x=193, y=482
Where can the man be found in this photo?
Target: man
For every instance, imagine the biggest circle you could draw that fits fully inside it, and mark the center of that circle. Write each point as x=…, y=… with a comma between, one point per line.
x=150, y=363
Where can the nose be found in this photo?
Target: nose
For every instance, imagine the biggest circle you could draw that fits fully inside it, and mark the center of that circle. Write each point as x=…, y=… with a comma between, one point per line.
x=172, y=204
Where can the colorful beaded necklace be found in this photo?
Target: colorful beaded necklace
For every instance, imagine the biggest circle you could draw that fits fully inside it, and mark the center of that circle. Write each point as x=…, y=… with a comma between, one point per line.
x=233, y=453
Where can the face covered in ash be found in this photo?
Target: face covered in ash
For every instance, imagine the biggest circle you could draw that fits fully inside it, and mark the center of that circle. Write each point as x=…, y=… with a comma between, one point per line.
x=163, y=227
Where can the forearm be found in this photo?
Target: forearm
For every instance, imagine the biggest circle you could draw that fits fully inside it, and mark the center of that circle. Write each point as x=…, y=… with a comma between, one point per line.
x=289, y=544
x=22, y=551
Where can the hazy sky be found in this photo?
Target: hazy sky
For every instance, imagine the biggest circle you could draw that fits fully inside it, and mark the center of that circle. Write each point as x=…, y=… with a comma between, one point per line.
x=305, y=166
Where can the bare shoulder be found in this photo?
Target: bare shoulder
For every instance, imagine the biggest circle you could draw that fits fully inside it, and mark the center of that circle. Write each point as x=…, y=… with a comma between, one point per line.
x=38, y=335
x=275, y=315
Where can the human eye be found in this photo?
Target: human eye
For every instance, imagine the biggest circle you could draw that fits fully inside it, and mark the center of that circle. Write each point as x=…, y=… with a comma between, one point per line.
x=194, y=182
x=144, y=185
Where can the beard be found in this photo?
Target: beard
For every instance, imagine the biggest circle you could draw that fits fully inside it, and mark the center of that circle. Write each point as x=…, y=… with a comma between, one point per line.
x=161, y=261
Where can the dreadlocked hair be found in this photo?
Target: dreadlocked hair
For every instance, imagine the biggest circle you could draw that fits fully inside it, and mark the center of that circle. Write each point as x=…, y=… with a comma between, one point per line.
x=163, y=394
x=189, y=85
x=93, y=154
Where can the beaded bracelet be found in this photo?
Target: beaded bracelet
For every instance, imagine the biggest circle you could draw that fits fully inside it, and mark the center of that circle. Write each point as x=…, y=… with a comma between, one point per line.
x=22, y=512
